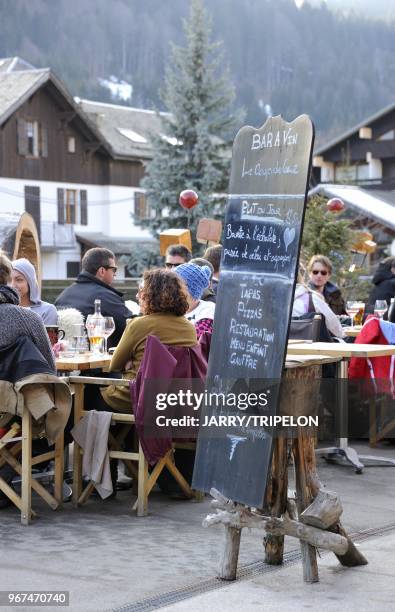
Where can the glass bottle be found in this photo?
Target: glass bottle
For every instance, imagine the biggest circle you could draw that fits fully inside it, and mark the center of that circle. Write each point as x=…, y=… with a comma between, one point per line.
x=95, y=328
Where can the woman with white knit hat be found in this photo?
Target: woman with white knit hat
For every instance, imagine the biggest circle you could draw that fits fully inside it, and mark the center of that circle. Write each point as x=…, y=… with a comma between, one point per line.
x=197, y=279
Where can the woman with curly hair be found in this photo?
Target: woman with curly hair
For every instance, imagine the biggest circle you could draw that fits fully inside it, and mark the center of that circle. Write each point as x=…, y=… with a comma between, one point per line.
x=163, y=303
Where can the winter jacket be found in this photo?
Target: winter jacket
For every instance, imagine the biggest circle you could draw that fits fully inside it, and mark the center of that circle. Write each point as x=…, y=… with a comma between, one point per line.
x=333, y=297
x=27, y=381
x=380, y=370
x=82, y=295
x=384, y=289
x=16, y=321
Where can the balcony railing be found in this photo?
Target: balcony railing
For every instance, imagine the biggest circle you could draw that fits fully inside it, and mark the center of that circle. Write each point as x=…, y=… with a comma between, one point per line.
x=55, y=236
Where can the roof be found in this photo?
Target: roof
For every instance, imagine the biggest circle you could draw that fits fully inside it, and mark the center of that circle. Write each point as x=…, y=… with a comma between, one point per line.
x=8, y=64
x=127, y=130
x=8, y=226
x=118, y=245
x=17, y=86
x=378, y=205
x=365, y=123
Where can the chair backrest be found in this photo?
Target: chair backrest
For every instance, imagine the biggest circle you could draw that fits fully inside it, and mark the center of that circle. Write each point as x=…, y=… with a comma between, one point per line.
x=162, y=363
x=306, y=327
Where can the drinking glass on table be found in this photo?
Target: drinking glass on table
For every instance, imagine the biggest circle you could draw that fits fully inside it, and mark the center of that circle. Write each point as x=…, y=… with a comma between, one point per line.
x=380, y=308
x=352, y=308
x=109, y=328
x=95, y=329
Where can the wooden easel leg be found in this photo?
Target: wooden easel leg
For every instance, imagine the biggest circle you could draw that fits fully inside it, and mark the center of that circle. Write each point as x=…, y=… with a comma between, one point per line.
x=228, y=567
x=276, y=500
x=26, y=493
x=304, y=465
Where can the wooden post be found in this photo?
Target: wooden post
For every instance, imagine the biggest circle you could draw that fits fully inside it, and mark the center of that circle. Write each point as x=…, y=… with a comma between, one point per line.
x=228, y=565
x=142, y=495
x=26, y=492
x=303, y=466
x=59, y=468
x=276, y=500
x=77, y=456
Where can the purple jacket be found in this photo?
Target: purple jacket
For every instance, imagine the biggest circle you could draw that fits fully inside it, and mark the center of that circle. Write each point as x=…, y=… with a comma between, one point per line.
x=161, y=363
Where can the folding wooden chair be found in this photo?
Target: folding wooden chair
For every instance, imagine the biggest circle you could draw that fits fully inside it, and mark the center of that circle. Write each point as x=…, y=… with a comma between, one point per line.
x=145, y=480
x=20, y=437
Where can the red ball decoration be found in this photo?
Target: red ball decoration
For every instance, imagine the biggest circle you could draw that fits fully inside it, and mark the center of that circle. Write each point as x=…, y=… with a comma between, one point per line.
x=188, y=198
x=335, y=205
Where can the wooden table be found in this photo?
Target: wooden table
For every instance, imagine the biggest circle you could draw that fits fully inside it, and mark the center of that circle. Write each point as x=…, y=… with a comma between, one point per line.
x=352, y=331
x=344, y=351
x=85, y=361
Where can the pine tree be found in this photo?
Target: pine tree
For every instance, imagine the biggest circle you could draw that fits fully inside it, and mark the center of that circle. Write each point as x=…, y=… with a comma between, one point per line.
x=327, y=234
x=193, y=150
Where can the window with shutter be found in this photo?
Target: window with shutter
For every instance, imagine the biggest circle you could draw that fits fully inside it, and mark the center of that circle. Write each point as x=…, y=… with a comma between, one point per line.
x=71, y=206
x=22, y=137
x=33, y=205
x=44, y=141
x=61, y=206
x=84, y=207
x=141, y=210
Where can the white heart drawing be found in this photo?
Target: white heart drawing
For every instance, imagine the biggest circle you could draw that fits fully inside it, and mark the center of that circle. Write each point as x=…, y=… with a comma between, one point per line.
x=289, y=236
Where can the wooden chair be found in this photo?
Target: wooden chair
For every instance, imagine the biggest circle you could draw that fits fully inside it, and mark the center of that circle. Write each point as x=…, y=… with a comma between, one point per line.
x=20, y=436
x=145, y=480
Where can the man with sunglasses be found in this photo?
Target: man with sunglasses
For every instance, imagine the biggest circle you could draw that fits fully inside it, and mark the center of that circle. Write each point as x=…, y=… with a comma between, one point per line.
x=177, y=254
x=320, y=270
x=95, y=283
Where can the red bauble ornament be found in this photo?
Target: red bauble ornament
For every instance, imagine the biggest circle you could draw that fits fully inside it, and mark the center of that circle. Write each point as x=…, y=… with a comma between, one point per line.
x=335, y=205
x=188, y=198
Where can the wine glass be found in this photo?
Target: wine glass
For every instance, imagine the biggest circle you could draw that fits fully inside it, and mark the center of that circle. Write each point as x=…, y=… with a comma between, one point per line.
x=108, y=329
x=380, y=308
x=352, y=307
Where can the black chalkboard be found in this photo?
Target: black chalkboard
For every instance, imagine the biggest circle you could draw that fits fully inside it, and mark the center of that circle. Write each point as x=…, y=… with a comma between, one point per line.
x=261, y=243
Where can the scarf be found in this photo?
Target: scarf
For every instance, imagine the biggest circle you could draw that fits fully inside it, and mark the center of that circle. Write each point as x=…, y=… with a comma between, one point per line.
x=8, y=295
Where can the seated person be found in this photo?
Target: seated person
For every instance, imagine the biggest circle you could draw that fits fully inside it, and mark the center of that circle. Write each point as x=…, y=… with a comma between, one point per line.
x=16, y=321
x=197, y=279
x=95, y=282
x=163, y=302
x=320, y=269
x=213, y=255
x=306, y=300
x=208, y=294
x=24, y=280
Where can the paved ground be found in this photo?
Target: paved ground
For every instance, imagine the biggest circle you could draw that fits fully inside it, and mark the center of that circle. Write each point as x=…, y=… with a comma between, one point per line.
x=108, y=558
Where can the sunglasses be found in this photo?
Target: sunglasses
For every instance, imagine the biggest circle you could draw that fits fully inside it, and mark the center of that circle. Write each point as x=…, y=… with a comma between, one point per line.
x=113, y=268
x=322, y=272
x=172, y=265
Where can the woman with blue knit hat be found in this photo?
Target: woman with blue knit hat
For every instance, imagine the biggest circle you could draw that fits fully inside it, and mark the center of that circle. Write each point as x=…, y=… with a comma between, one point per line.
x=24, y=280
x=197, y=279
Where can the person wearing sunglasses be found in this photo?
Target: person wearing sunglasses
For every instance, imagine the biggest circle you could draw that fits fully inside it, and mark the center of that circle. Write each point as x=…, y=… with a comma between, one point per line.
x=94, y=282
x=177, y=254
x=320, y=270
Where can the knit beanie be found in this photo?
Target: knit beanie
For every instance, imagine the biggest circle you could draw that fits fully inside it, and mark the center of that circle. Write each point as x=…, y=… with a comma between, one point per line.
x=196, y=278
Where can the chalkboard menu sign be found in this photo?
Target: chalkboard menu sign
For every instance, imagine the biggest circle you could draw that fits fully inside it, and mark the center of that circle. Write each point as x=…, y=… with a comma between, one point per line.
x=261, y=242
